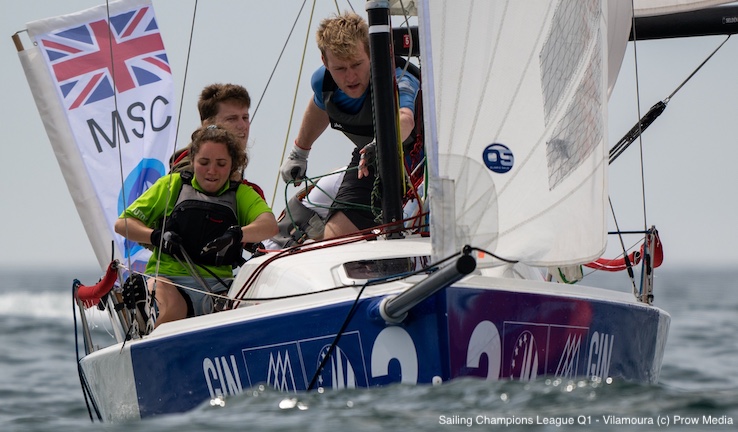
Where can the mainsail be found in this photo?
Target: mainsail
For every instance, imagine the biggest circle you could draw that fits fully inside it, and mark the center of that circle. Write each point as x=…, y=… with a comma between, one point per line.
x=102, y=84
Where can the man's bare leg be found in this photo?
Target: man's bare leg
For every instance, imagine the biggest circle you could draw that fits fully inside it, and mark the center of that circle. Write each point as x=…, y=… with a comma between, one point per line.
x=339, y=225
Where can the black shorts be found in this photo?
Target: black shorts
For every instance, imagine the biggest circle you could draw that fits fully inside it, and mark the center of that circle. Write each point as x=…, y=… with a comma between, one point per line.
x=354, y=197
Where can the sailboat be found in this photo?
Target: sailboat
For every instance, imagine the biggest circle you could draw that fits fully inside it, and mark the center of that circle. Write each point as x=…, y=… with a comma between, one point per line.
x=515, y=133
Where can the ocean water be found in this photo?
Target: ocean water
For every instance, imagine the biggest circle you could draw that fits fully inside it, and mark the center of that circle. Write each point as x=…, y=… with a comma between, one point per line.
x=697, y=390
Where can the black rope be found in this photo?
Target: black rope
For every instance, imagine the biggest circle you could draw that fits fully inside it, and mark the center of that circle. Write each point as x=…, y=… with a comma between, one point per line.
x=509, y=261
x=354, y=306
x=352, y=311
x=192, y=266
x=332, y=348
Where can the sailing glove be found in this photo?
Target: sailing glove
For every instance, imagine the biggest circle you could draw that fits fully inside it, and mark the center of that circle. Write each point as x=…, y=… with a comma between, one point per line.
x=221, y=246
x=295, y=166
x=169, y=241
x=368, y=158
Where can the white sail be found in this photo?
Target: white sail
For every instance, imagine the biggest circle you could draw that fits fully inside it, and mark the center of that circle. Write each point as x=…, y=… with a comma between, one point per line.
x=92, y=107
x=520, y=122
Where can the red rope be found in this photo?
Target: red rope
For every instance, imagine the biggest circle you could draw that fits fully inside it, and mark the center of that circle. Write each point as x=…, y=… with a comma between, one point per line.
x=369, y=233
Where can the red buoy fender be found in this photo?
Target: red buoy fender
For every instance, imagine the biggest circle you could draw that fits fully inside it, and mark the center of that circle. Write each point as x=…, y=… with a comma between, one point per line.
x=619, y=264
x=658, y=251
x=90, y=295
x=616, y=264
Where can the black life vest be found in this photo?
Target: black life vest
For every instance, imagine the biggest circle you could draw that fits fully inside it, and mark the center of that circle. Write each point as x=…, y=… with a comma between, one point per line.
x=359, y=127
x=199, y=217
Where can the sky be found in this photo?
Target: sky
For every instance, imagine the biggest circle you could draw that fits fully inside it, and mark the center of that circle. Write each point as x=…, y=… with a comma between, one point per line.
x=688, y=154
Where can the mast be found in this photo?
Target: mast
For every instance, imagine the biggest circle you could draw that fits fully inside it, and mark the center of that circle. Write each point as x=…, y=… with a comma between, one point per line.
x=383, y=97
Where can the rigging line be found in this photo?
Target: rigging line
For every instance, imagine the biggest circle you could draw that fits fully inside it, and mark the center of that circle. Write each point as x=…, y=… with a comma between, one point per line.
x=349, y=3
x=204, y=291
x=294, y=100
x=651, y=116
x=116, y=131
x=337, y=338
x=82, y=381
x=353, y=309
x=289, y=36
x=318, y=244
x=622, y=245
x=116, y=134
x=391, y=278
x=176, y=133
x=369, y=233
x=630, y=248
x=308, y=188
x=184, y=77
x=638, y=100
x=695, y=71
x=406, y=24
x=174, y=145
x=638, y=106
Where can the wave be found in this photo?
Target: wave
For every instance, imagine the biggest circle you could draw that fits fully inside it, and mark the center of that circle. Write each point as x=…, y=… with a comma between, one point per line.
x=45, y=305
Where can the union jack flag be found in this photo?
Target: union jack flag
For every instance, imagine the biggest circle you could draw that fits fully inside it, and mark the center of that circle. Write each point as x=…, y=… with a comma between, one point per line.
x=86, y=61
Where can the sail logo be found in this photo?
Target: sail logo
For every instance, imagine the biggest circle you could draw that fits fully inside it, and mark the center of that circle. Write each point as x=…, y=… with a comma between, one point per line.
x=340, y=374
x=86, y=62
x=221, y=377
x=498, y=158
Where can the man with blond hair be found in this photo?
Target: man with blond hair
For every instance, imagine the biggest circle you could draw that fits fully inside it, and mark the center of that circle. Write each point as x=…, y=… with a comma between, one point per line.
x=342, y=99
